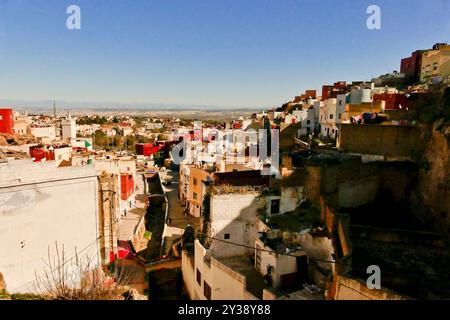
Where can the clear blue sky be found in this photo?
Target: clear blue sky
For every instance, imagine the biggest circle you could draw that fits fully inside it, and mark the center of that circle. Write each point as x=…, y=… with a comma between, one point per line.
x=207, y=52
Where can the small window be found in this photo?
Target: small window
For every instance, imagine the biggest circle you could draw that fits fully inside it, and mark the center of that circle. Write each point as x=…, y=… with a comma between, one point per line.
x=331, y=116
x=195, y=195
x=340, y=102
x=226, y=236
x=308, y=121
x=199, y=277
x=207, y=290
x=275, y=206
x=195, y=181
x=339, y=115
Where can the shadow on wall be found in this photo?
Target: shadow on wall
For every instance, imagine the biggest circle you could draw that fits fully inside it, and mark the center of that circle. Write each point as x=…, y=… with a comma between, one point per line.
x=245, y=210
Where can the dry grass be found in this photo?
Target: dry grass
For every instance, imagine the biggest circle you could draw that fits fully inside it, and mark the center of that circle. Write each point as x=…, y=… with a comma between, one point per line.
x=78, y=279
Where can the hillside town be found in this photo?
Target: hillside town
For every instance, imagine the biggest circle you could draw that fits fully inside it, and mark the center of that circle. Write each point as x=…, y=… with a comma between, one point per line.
x=297, y=202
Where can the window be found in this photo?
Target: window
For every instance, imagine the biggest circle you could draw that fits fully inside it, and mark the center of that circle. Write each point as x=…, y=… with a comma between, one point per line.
x=308, y=121
x=195, y=181
x=199, y=277
x=226, y=236
x=195, y=195
x=1, y=117
x=258, y=257
x=340, y=102
x=206, y=290
x=331, y=116
x=339, y=115
x=275, y=206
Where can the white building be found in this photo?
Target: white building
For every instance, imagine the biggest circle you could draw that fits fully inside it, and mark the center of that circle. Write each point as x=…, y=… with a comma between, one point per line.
x=360, y=95
x=327, y=118
x=223, y=270
x=41, y=205
x=44, y=131
x=119, y=166
x=127, y=131
x=220, y=269
x=21, y=123
x=83, y=143
x=69, y=128
x=307, y=120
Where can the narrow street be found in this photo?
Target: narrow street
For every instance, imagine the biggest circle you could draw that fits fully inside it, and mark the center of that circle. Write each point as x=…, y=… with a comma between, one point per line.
x=131, y=270
x=128, y=224
x=178, y=220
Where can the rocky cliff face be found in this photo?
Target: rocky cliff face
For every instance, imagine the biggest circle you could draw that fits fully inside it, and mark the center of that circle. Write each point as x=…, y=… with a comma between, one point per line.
x=433, y=188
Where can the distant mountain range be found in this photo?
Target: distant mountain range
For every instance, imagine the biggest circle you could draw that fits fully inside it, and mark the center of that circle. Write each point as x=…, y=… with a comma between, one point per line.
x=219, y=113
x=33, y=106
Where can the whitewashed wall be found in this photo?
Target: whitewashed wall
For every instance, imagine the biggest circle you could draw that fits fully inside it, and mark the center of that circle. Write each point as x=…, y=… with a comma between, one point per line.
x=36, y=213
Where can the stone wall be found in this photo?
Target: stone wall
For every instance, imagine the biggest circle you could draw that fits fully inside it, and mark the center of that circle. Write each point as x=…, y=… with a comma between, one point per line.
x=348, y=288
x=433, y=191
x=390, y=141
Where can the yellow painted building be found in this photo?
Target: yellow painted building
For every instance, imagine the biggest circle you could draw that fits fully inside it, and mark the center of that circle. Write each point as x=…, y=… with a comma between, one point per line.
x=436, y=63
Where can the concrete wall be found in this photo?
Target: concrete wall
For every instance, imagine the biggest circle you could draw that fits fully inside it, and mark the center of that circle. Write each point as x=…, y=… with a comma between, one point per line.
x=281, y=264
x=69, y=129
x=36, y=213
x=348, y=288
x=386, y=140
x=225, y=283
x=188, y=271
x=315, y=247
x=290, y=198
x=118, y=166
x=62, y=154
x=236, y=215
x=44, y=132
x=357, y=192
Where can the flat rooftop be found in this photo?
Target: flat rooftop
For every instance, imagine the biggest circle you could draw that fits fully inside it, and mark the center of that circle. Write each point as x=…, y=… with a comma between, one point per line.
x=254, y=281
x=303, y=294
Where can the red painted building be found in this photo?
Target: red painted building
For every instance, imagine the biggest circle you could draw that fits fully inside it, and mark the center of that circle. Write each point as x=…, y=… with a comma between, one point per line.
x=393, y=101
x=411, y=66
x=126, y=186
x=311, y=94
x=147, y=149
x=40, y=153
x=6, y=121
x=326, y=91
